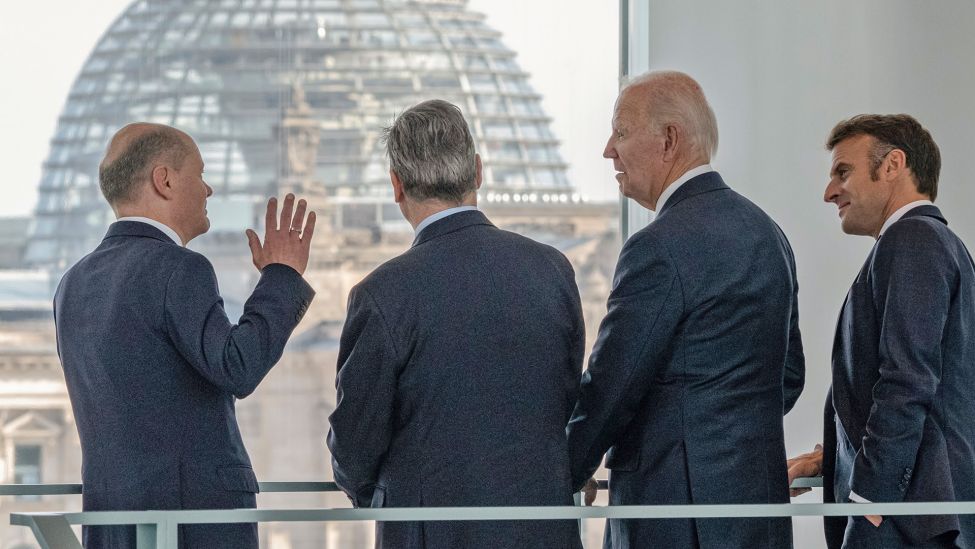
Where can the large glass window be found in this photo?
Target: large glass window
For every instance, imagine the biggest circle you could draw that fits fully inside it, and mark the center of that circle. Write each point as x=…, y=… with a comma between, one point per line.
x=293, y=95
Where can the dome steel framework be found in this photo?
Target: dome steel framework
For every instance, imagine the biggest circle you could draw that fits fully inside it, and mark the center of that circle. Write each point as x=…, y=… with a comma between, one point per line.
x=232, y=72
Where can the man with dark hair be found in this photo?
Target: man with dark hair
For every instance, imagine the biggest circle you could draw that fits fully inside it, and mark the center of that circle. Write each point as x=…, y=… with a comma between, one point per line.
x=459, y=360
x=152, y=363
x=898, y=418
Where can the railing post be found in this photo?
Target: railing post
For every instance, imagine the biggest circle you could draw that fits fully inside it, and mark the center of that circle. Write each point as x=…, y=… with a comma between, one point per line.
x=161, y=534
x=145, y=535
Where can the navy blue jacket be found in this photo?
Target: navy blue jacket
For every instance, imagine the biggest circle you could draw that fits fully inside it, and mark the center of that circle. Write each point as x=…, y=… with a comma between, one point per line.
x=458, y=366
x=900, y=420
x=153, y=367
x=697, y=360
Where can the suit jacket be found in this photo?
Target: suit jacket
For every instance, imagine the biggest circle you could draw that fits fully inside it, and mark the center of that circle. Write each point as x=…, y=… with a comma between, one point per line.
x=697, y=360
x=458, y=367
x=153, y=368
x=899, y=420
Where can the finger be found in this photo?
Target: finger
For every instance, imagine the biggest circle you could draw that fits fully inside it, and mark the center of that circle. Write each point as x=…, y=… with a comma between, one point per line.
x=299, y=217
x=286, y=210
x=793, y=492
x=309, y=229
x=819, y=448
x=271, y=217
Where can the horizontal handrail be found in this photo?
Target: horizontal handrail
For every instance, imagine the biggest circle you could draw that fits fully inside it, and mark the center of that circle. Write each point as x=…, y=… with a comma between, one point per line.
x=73, y=489
x=159, y=529
x=268, y=487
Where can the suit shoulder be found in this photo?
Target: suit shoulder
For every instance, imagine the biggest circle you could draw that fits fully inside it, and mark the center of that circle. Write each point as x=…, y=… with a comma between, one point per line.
x=912, y=232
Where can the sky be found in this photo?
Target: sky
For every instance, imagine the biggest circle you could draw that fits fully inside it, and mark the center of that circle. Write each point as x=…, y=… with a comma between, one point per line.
x=571, y=53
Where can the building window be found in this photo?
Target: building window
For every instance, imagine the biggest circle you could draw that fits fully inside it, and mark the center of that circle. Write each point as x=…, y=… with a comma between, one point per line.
x=27, y=466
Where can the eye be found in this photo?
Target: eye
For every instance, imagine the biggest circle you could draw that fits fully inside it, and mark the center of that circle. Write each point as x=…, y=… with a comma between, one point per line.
x=619, y=134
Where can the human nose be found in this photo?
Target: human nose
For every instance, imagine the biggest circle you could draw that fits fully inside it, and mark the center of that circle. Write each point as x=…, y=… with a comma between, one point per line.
x=610, y=150
x=832, y=191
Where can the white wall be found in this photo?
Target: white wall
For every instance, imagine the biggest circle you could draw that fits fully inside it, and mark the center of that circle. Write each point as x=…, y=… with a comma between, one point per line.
x=779, y=76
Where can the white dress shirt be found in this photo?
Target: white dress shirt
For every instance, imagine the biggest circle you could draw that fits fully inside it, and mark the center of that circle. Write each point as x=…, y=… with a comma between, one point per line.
x=161, y=226
x=440, y=215
x=688, y=175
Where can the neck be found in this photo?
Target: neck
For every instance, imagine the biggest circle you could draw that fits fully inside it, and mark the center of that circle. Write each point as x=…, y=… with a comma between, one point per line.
x=677, y=169
x=897, y=201
x=140, y=210
x=416, y=212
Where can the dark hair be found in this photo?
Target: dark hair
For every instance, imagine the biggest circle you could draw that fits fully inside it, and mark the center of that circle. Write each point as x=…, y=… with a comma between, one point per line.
x=431, y=150
x=120, y=177
x=895, y=131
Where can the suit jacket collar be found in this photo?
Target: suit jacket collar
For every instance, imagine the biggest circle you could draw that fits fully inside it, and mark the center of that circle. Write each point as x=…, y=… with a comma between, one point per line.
x=704, y=183
x=925, y=211
x=135, y=228
x=450, y=224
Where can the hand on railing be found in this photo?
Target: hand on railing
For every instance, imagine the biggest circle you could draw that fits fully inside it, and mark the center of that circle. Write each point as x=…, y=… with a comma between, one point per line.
x=589, y=491
x=806, y=465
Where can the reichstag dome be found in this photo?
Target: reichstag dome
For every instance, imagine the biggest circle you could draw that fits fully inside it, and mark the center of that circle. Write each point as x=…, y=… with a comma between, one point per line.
x=277, y=92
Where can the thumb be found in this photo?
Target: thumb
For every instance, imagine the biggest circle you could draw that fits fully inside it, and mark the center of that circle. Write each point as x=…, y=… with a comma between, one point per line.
x=255, y=244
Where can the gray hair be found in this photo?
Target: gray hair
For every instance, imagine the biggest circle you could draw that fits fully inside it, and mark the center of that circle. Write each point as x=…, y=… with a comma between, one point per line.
x=673, y=97
x=431, y=150
x=120, y=174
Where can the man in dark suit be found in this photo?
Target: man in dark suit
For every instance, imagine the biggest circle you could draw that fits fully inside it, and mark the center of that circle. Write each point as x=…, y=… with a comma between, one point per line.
x=459, y=360
x=898, y=420
x=153, y=365
x=699, y=355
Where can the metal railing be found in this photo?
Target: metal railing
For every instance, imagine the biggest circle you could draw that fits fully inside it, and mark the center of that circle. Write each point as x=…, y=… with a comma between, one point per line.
x=159, y=529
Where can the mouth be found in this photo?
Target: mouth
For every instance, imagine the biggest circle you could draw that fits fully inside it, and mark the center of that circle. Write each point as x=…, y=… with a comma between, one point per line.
x=842, y=207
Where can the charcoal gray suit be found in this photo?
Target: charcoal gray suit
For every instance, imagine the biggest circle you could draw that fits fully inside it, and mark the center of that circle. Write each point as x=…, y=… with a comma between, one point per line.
x=458, y=366
x=900, y=419
x=153, y=368
x=697, y=360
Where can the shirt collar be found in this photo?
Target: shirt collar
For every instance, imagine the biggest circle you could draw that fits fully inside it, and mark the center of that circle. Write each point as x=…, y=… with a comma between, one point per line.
x=894, y=217
x=440, y=215
x=161, y=226
x=688, y=175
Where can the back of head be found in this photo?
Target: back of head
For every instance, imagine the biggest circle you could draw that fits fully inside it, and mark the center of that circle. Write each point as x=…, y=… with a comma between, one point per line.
x=895, y=131
x=133, y=152
x=431, y=150
x=673, y=97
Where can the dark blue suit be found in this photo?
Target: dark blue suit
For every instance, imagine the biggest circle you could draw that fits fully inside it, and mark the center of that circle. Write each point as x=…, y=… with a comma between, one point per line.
x=153, y=367
x=459, y=365
x=900, y=421
x=697, y=360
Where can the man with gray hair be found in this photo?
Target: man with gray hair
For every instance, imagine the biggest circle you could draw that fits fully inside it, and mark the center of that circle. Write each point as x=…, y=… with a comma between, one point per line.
x=699, y=355
x=459, y=360
x=152, y=363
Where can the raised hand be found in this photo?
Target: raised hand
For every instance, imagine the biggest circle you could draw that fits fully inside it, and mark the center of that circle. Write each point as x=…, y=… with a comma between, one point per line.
x=286, y=242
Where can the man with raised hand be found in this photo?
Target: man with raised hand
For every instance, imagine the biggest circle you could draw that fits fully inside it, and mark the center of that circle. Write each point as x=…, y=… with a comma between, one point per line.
x=152, y=363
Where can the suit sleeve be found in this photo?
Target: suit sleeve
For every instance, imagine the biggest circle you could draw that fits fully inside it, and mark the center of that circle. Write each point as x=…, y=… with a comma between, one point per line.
x=912, y=280
x=794, y=376
x=235, y=358
x=362, y=423
x=643, y=311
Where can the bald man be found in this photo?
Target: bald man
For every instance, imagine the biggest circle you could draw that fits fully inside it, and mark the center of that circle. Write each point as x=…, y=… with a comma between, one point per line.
x=152, y=363
x=699, y=355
